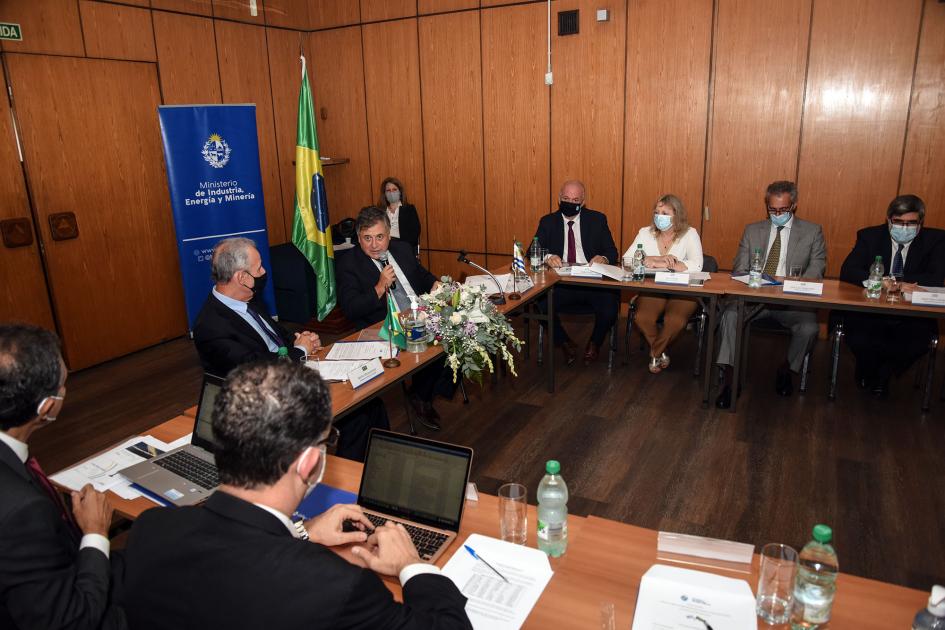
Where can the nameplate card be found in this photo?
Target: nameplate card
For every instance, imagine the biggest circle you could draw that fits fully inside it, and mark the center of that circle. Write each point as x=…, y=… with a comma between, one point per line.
x=927, y=298
x=803, y=288
x=668, y=277
x=365, y=372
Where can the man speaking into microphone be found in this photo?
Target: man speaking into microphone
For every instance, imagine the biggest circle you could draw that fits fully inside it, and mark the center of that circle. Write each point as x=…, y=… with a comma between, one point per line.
x=363, y=278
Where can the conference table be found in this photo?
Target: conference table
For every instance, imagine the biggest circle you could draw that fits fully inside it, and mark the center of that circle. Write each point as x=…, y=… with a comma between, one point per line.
x=604, y=563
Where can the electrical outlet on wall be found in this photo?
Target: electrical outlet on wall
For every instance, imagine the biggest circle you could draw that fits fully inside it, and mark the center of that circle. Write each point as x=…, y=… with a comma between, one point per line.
x=549, y=79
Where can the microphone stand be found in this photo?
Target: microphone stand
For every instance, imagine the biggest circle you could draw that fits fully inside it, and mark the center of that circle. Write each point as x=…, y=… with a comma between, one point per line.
x=495, y=299
x=390, y=362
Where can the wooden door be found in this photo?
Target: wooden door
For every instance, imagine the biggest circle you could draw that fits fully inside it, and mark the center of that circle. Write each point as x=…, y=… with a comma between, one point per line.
x=92, y=147
x=23, y=295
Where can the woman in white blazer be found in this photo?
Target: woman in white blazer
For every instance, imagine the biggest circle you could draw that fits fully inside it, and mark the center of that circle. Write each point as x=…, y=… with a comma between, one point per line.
x=671, y=244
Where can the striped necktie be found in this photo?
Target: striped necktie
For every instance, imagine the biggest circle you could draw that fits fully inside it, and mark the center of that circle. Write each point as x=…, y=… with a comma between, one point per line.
x=36, y=471
x=897, y=262
x=262, y=324
x=771, y=265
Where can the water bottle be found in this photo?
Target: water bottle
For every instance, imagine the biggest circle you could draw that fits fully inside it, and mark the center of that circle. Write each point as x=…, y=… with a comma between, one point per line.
x=933, y=616
x=283, y=354
x=874, y=286
x=815, y=584
x=639, y=268
x=534, y=255
x=552, y=511
x=754, y=275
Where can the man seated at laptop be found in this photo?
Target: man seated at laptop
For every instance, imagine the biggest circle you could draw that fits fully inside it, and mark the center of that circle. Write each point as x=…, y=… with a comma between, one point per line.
x=233, y=328
x=240, y=562
x=54, y=562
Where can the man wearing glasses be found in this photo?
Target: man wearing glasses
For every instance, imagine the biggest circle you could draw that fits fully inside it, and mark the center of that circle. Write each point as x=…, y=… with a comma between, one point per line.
x=788, y=246
x=885, y=345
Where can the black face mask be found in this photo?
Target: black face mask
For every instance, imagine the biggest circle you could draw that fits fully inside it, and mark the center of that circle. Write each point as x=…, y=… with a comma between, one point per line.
x=569, y=208
x=259, y=286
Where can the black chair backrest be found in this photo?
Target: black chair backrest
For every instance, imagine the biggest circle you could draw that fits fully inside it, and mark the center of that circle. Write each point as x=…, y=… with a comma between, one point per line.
x=342, y=230
x=709, y=264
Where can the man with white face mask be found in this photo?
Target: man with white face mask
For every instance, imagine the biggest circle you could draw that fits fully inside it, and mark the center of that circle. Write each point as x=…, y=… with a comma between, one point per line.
x=886, y=345
x=54, y=562
x=239, y=561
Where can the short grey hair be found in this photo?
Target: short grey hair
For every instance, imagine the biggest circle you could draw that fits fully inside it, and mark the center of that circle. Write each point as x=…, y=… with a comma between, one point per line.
x=229, y=256
x=573, y=182
x=369, y=217
x=781, y=187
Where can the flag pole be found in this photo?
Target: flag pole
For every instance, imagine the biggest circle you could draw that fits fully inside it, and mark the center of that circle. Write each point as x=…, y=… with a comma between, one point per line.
x=390, y=362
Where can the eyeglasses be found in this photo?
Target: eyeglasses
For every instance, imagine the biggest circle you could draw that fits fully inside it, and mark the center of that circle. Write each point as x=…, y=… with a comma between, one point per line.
x=780, y=211
x=332, y=440
x=904, y=223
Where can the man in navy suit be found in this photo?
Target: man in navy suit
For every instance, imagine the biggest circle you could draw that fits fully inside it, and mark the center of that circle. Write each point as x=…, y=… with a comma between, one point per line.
x=575, y=235
x=54, y=562
x=887, y=344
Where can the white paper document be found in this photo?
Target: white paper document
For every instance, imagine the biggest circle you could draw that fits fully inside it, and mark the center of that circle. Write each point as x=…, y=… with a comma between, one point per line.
x=359, y=350
x=671, y=598
x=744, y=280
x=583, y=271
x=611, y=271
x=102, y=470
x=334, y=370
x=924, y=298
x=492, y=602
x=489, y=287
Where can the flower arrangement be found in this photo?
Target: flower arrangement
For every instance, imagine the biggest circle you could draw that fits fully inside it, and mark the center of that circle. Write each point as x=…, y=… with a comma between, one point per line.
x=469, y=327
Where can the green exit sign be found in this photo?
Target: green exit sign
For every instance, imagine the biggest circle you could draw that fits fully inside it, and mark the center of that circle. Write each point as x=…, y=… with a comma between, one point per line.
x=11, y=31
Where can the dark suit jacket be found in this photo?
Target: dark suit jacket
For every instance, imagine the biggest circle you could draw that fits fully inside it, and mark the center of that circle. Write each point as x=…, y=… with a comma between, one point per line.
x=224, y=339
x=409, y=221
x=46, y=582
x=925, y=263
x=230, y=564
x=356, y=274
x=596, y=239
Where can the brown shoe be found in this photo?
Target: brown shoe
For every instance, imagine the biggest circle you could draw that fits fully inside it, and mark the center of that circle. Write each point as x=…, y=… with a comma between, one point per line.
x=570, y=352
x=591, y=352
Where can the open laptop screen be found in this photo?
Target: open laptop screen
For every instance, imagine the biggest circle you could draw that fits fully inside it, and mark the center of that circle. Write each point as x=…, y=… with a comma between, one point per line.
x=415, y=479
x=203, y=427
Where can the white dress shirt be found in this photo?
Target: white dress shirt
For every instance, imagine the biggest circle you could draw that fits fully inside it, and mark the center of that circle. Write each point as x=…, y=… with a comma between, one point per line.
x=398, y=272
x=785, y=237
x=406, y=573
x=394, y=216
x=241, y=308
x=22, y=451
x=579, y=257
x=687, y=248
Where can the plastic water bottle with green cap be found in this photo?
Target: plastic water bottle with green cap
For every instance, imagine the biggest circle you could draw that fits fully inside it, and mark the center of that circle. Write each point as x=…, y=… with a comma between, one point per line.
x=553, y=511
x=816, y=582
x=283, y=354
x=932, y=617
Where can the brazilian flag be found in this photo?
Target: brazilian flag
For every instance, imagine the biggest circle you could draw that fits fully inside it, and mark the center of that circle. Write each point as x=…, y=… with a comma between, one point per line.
x=392, y=327
x=311, y=231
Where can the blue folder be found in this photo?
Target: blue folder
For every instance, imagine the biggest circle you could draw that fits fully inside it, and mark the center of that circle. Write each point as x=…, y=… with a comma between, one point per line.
x=322, y=498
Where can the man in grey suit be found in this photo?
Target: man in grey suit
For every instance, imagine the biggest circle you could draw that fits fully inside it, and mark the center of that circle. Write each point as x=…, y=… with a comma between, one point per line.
x=785, y=242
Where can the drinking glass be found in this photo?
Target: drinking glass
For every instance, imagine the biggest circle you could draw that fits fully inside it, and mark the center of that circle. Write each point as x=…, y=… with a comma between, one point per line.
x=893, y=289
x=513, y=513
x=627, y=268
x=776, y=583
x=795, y=271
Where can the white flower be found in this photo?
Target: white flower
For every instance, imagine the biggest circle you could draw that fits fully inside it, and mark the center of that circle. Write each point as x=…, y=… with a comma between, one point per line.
x=456, y=318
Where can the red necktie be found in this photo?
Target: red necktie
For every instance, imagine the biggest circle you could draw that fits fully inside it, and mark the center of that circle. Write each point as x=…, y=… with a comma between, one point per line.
x=572, y=255
x=37, y=472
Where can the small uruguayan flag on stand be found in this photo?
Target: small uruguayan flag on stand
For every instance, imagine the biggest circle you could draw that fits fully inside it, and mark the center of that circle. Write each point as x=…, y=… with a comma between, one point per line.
x=518, y=261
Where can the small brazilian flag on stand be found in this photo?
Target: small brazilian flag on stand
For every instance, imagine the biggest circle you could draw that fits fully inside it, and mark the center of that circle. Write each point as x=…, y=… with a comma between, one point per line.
x=311, y=231
x=392, y=328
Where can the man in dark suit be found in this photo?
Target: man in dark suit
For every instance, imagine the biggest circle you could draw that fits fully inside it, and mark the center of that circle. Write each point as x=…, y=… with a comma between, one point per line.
x=54, y=563
x=239, y=561
x=233, y=328
x=784, y=241
x=364, y=276
x=575, y=235
x=886, y=344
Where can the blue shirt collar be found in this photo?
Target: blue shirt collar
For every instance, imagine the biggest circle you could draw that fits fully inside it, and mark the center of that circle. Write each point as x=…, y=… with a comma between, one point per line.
x=236, y=305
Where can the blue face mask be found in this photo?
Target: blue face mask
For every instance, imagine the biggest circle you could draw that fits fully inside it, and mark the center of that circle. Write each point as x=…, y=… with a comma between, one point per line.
x=780, y=220
x=903, y=234
x=662, y=221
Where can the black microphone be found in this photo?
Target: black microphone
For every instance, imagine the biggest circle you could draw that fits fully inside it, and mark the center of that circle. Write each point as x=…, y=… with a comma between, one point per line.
x=495, y=299
x=382, y=258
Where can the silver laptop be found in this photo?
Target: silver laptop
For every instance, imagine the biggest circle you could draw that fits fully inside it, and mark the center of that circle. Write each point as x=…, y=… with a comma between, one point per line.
x=419, y=483
x=185, y=475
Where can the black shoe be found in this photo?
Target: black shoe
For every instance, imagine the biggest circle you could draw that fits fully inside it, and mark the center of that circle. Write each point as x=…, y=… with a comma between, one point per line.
x=880, y=389
x=570, y=352
x=783, y=383
x=724, y=399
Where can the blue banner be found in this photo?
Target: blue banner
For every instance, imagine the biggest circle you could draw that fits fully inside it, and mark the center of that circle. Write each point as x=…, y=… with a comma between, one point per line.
x=212, y=158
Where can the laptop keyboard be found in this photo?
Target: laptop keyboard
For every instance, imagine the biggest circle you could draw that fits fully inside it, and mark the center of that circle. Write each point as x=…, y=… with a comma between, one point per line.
x=191, y=468
x=427, y=541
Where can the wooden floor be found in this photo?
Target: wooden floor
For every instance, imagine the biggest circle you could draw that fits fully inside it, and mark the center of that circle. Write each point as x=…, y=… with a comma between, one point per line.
x=640, y=448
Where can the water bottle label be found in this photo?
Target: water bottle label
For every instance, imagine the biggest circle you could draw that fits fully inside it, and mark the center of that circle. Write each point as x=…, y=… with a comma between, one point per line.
x=817, y=612
x=552, y=531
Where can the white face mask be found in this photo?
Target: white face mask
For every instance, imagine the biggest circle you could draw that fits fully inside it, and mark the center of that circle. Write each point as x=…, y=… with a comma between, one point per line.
x=322, y=459
x=39, y=407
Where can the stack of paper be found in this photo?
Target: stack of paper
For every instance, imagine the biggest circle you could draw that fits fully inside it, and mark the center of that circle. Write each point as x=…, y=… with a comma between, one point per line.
x=334, y=371
x=359, y=350
x=492, y=602
x=102, y=471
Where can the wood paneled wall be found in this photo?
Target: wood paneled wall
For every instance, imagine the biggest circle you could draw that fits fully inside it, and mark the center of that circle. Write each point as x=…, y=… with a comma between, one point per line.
x=707, y=99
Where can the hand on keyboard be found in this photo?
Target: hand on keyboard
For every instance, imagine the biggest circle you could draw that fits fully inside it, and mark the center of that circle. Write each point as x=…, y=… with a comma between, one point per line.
x=328, y=528
x=388, y=551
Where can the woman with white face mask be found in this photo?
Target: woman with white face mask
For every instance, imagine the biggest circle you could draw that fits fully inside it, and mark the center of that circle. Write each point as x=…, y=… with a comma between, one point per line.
x=670, y=245
x=404, y=220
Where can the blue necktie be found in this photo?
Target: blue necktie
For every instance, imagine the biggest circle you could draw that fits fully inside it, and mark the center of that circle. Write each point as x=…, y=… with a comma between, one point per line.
x=262, y=324
x=897, y=262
